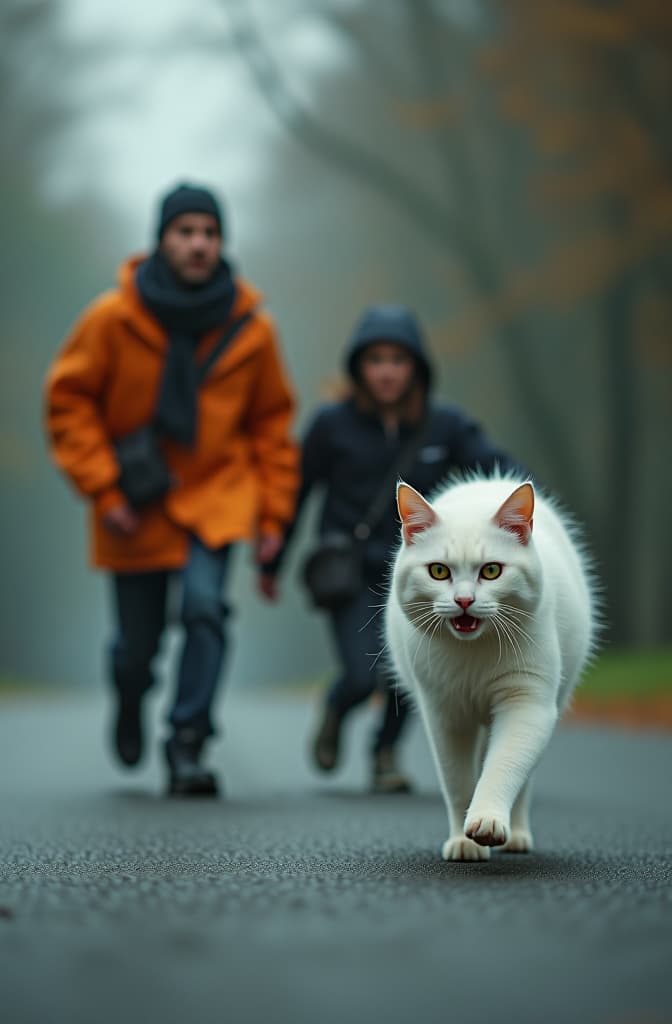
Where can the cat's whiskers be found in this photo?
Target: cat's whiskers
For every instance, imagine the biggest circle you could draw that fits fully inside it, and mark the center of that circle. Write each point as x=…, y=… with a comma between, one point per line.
x=435, y=629
x=419, y=613
x=515, y=610
x=521, y=634
x=421, y=616
x=429, y=620
x=378, y=608
x=430, y=633
x=499, y=638
x=512, y=640
x=378, y=656
x=516, y=607
x=375, y=615
x=511, y=622
x=424, y=623
x=509, y=637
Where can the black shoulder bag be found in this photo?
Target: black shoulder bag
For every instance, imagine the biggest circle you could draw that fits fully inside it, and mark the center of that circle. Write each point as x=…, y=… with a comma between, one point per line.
x=144, y=474
x=333, y=571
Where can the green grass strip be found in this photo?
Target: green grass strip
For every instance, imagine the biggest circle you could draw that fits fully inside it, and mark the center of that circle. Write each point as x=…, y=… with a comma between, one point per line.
x=629, y=673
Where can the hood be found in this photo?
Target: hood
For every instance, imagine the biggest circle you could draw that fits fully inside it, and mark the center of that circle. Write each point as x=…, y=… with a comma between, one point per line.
x=396, y=324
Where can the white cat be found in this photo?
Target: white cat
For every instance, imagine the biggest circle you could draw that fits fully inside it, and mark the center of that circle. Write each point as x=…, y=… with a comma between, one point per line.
x=490, y=620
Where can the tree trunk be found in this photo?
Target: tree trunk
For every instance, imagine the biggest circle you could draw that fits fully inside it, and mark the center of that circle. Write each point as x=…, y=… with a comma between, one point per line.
x=619, y=545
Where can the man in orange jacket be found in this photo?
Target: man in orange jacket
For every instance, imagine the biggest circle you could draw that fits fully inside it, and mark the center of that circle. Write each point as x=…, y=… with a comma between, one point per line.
x=169, y=410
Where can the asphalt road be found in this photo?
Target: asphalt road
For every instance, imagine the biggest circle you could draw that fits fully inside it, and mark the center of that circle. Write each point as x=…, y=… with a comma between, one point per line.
x=305, y=900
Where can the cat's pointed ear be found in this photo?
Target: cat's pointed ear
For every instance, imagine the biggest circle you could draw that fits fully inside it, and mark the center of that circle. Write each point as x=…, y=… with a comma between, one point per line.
x=417, y=515
x=516, y=514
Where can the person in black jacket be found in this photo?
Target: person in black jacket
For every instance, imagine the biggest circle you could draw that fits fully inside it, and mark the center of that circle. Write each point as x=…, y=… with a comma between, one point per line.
x=350, y=449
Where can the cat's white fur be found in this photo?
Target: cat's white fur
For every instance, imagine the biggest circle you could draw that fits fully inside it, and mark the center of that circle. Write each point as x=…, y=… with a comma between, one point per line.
x=490, y=698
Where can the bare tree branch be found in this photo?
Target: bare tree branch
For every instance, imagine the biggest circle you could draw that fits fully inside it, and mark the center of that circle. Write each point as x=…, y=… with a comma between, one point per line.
x=431, y=216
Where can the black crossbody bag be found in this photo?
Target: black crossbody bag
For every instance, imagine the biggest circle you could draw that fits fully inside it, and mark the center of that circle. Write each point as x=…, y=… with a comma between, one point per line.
x=144, y=475
x=333, y=571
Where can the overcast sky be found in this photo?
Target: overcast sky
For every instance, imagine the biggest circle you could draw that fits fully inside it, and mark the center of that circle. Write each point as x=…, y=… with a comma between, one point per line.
x=155, y=111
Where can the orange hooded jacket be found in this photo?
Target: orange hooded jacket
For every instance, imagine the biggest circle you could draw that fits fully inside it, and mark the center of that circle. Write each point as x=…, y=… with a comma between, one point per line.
x=241, y=477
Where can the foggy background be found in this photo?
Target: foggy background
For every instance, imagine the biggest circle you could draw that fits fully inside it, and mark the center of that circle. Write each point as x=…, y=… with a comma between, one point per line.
x=505, y=168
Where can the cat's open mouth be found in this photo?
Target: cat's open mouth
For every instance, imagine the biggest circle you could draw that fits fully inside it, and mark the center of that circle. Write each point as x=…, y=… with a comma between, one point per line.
x=465, y=623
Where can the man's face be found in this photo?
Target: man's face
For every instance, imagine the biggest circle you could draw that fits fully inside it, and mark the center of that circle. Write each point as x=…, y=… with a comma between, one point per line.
x=192, y=245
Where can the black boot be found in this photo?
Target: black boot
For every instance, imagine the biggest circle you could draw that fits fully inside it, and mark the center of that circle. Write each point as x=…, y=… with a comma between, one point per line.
x=187, y=776
x=128, y=729
x=386, y=776
x=326, y=745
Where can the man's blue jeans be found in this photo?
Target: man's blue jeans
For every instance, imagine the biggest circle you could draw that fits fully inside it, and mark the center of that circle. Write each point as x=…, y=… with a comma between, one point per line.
x=141, y=609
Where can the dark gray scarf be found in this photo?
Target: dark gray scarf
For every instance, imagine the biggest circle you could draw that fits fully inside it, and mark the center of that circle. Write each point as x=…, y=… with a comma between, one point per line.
x=186, y=313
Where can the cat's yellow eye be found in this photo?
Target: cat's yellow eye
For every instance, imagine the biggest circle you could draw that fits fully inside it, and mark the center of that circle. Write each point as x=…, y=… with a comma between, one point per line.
x=439, y=571
x=491, y=571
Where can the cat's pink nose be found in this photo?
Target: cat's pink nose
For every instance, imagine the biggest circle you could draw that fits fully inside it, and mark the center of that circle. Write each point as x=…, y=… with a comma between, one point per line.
x=464, y=602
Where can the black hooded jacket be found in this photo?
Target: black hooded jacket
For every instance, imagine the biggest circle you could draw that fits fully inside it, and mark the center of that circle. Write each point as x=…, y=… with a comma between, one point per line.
x=347, y=453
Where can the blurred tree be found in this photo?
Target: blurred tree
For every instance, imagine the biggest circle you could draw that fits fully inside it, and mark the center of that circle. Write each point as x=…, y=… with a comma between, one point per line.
x=591, y=85
x=529, y=141
x=452, y=215
x=39, y=107
x=56, y=257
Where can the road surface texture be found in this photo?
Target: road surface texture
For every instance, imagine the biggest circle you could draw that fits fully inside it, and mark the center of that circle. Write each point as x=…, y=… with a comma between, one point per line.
x=303, y=899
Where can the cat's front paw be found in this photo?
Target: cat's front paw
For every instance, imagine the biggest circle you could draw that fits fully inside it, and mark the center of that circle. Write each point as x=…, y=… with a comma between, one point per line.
x=487, y=829
x=461, y=848
x=520, y=841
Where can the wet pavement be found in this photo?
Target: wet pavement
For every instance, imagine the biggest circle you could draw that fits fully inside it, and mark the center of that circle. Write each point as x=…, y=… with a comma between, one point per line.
x=305, y=899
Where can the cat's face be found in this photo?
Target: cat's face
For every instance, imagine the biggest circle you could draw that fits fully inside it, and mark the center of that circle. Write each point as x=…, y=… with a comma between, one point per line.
x=472, y=573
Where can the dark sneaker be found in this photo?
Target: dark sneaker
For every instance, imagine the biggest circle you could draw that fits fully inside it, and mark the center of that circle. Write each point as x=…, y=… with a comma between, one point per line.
x=326, y=744
x=128, y=729
x=386, y=775
x=187, y=776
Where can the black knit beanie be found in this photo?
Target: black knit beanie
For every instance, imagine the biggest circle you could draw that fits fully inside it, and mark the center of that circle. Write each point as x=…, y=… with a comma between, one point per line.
x=188, y=199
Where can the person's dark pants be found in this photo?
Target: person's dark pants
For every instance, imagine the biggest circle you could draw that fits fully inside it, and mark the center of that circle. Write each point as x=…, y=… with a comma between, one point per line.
x=141, y=608
x=357, y=635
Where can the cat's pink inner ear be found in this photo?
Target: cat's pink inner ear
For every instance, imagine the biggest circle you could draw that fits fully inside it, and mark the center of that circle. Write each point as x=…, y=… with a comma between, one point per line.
x=417, y=515
x=517, y=512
